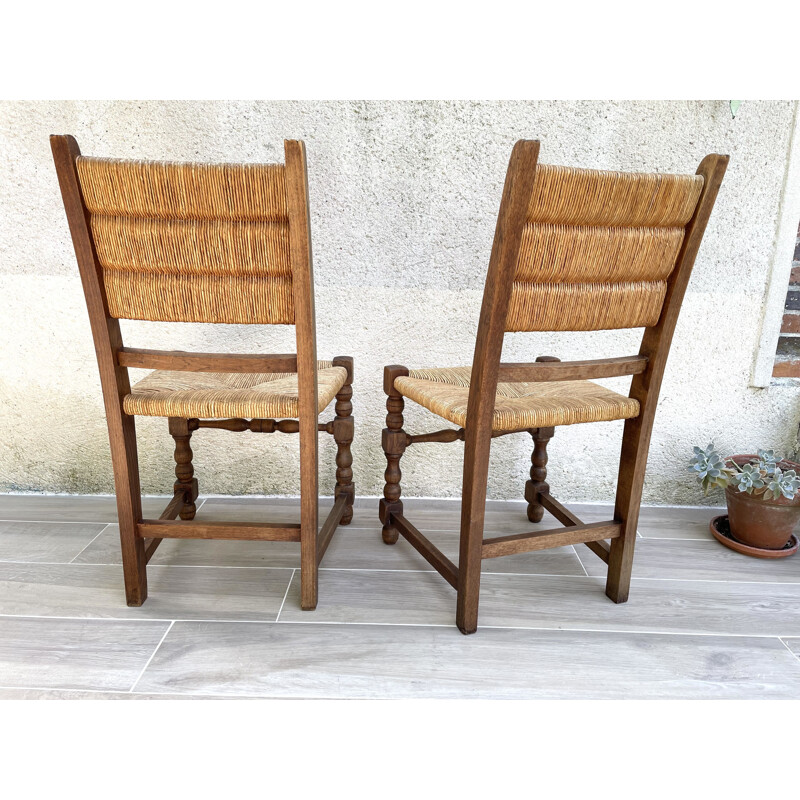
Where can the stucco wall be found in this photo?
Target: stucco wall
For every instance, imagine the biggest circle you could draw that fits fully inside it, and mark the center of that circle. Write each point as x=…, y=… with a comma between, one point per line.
x=404, y=198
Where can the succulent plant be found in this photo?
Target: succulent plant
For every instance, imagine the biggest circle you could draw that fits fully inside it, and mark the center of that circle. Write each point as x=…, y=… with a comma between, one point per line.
x=749, y=478
x=784, y=484
x=768, y=461
x=762, y=476
x=710, y=468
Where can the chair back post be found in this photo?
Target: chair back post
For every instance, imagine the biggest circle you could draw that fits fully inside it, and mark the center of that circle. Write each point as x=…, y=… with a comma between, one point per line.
x=511, y=219
x=646, y=386
x=114, y=378
x=305, y=330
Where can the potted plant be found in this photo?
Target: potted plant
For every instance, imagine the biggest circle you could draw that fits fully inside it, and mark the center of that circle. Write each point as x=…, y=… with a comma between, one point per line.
x=763, y=497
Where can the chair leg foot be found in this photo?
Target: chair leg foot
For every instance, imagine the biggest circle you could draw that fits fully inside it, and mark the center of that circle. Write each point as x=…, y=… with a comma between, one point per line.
x=181, y=432
x=394, y=444
x=620, y=564
x=538, y=485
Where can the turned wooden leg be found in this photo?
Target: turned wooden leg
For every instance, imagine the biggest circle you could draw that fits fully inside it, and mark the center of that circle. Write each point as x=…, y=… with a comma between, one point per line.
x=394, y=444
x=186, y=483
x=537, y=485
x=343, y=436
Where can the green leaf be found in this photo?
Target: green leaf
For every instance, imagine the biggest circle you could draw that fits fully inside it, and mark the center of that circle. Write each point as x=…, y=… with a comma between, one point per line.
x=735, y=107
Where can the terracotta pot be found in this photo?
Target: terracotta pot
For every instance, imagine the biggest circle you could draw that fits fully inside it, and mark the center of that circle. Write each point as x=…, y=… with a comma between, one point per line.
x=761, y=522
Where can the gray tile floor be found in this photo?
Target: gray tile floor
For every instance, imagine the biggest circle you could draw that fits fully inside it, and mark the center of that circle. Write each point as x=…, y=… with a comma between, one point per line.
x=223, y=618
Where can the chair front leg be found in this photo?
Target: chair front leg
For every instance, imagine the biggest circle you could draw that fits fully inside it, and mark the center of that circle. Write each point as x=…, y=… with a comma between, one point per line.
x=186, y=483
x=537, y=485
x=473, y=510
x=343, y=436
x=394, y=445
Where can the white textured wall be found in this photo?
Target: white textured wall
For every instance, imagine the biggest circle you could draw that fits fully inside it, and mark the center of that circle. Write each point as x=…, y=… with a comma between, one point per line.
x=403, y=201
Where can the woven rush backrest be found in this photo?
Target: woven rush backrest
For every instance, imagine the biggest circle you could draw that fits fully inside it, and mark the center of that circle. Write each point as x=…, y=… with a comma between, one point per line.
x=598, y=247
x=182, y=242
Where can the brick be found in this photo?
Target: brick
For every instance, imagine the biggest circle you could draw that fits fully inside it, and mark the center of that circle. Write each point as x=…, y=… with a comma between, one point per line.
x=791, y=323
x=788, y=347
x=787, y=369
x=797, y=251
x=792, y=300
x=794, y=275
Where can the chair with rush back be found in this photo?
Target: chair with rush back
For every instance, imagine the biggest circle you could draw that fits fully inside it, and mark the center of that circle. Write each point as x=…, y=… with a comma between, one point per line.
x=574, y=250
x=209, y=243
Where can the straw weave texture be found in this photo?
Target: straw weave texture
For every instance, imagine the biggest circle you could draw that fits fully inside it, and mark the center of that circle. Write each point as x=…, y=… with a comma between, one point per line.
x=598, y=248
x=584, y=306
x=216, y=395
x=573, y=196
x=191, y=242
x=518, y=405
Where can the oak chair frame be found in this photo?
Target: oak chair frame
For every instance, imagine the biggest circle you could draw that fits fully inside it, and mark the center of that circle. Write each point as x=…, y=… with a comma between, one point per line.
x=612, y=540
x=140, y=537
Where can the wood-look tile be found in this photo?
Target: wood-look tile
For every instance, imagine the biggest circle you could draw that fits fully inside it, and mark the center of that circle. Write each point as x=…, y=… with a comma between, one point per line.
x=502, y=516
x=351, y=548
x=77, y=654
x=544, y=601
x=404, y=598
x=85, y=590
x=69, y=508
x=365, y=661
x=794, y=646
x=45, y=541
x=670, y=522
x=89, y=694
x=747, y=609
x=699, y=560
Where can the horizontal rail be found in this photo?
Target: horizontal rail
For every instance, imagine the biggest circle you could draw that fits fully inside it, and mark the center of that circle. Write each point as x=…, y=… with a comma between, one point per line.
x=204, y=362
x=453, y=435
x=566, y=517
x=190, y=529
x=330, y=525
x=432, y=554
x=556, y=537
x=562, y=514
x=572, y=370
x=238, y=424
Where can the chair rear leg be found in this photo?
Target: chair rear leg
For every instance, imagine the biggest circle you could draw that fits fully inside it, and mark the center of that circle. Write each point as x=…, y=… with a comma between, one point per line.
x=309, y=512
x=394, y=445
x=633, y=460
x=129, y=508
x=181, y=432
x=537, y=485
x=343, y=436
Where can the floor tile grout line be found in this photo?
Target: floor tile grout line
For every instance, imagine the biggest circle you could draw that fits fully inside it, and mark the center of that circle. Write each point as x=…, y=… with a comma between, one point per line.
x=105, y=528
x=152, y=656
x=796, y=655
x=404, y=570
x=580, y=560
x=285, y=595
x=79, y=521
x=63, y=521
x=559, y=629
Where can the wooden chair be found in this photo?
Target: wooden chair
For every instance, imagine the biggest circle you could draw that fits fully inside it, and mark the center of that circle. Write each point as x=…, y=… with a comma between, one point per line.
x=574, y=249
x=206, y=243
